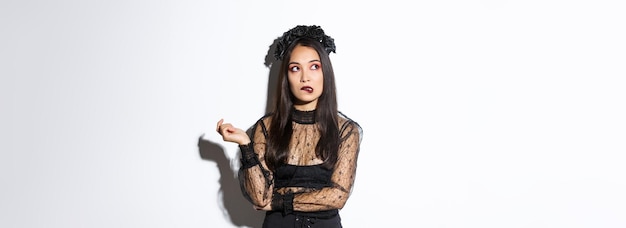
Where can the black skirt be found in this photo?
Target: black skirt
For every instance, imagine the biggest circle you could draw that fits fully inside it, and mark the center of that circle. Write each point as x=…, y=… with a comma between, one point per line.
x=325, y=219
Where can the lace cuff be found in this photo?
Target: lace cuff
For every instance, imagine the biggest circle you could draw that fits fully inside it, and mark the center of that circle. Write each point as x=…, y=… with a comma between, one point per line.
x=283, y=203
x=248, y=157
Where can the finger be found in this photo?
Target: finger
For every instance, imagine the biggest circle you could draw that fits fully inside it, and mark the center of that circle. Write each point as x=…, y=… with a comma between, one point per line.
x=219, y=124
x=227, y=128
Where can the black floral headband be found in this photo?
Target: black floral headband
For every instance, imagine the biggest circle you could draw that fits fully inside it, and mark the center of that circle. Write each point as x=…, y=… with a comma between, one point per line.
x=313, y=31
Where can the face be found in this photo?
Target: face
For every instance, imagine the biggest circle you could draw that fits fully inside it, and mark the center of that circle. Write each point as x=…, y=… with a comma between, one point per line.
x=306, y=79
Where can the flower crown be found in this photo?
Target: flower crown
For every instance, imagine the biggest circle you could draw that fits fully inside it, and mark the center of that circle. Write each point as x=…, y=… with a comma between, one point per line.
x=313, y=31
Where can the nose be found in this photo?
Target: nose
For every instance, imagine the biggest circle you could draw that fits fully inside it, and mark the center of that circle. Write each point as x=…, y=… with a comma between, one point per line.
x=304, y=77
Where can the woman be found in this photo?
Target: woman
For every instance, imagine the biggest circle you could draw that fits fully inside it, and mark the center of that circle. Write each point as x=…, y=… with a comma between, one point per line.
x=299, y=163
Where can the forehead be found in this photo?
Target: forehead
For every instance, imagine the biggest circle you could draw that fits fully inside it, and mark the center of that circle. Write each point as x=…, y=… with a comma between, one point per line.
x=302, y=54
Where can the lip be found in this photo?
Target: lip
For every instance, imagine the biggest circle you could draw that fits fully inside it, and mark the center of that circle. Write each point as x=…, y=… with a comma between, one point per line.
x=307, y=89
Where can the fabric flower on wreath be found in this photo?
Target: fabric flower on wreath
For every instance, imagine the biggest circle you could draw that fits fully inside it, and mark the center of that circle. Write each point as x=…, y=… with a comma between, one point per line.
x=313, y=31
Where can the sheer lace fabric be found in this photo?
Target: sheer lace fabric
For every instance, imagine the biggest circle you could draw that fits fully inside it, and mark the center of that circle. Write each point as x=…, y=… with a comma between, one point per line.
x=313, y=187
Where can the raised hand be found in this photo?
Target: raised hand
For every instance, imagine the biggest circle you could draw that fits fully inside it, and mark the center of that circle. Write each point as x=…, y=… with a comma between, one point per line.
x=230, y=133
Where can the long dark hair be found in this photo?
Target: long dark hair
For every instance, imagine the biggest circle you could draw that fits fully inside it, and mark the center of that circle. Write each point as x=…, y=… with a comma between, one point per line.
x=280, y=129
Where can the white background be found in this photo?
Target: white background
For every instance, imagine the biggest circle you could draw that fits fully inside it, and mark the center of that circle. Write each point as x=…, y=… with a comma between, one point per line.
x=475, y=113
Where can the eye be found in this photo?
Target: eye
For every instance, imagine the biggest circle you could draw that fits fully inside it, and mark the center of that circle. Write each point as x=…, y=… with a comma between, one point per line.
x=294, y=68
x=315, y=66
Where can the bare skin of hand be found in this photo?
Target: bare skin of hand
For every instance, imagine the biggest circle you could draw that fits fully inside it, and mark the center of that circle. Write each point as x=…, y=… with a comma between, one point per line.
x=230, y=133
x=267, y=207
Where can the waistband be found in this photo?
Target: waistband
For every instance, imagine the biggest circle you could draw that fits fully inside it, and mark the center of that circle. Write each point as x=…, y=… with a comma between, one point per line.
x=313, y=214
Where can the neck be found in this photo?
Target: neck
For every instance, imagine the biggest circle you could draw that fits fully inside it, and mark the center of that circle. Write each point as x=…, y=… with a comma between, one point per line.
x=310, y=106
x=303, y=117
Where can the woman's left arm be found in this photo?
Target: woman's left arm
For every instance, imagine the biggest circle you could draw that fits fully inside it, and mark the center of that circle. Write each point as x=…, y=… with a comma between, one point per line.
x=342, y=178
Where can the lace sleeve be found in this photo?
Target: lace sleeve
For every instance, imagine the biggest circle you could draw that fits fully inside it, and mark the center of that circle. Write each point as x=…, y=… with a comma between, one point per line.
x=342, y=178
x=255, y=179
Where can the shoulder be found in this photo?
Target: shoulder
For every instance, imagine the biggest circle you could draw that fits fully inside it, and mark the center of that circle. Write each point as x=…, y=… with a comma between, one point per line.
x=346, y=122
x=261, y=123
x=265, y=119
x=343, y=118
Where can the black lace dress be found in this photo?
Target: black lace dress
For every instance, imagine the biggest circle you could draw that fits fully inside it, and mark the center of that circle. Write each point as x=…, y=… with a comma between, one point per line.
x=302, y=192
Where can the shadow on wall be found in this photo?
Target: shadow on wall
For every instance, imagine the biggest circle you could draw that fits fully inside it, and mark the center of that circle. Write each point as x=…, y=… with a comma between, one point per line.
x=235, y=207
x=272, y=80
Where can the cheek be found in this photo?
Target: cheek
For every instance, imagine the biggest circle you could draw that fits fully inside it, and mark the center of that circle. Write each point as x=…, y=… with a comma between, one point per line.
x=291, y=78
x=320, y=80
x=293, y=89
x=292, y=86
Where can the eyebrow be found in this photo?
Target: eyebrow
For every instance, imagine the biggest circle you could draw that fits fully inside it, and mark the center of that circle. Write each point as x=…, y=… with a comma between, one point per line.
x=315, y=60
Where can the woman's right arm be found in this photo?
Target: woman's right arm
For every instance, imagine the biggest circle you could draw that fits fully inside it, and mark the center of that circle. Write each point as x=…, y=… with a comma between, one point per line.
x=255, y=179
